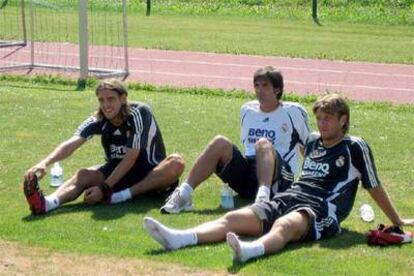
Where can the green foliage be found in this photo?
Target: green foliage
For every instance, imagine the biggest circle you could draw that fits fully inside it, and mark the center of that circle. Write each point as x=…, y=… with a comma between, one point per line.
x=395, y=12
x=383, y=12
x=37, y=116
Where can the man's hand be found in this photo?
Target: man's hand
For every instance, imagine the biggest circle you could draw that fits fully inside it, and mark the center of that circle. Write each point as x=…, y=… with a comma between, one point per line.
x=93, y=195
x=38, y=169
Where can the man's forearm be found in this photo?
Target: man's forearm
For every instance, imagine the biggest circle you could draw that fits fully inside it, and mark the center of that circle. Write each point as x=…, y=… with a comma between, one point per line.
x=384, y=202
x=123, y=167
x=63, y=150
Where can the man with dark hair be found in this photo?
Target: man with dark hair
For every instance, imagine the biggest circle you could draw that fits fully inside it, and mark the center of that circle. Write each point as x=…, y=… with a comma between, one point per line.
x=312, y=209
x=272, y=133
x=136, y=162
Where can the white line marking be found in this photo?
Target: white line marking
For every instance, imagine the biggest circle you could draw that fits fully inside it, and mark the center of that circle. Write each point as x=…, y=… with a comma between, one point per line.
x=249, y=79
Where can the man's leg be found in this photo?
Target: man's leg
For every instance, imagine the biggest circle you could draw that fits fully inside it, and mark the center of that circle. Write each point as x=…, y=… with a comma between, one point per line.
x=288, y=228
x=243, y=222
x=161, y=177
x=265, y=168
x=218, y=151
x=69, y=191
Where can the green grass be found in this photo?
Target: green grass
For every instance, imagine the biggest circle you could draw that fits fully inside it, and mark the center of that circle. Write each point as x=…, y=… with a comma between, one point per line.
x=274, y=38
x=36, y=118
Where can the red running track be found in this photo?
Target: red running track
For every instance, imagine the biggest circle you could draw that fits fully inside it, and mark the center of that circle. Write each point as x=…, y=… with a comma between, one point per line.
x=359, y=81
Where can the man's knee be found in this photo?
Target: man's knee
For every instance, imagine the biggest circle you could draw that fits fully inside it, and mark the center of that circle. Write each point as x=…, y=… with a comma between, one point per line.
x=220, y=142
x=231, y=220
x=227, y=220
x=263, y=145
x=85, y=178
x=292, y=226
x=176, y=164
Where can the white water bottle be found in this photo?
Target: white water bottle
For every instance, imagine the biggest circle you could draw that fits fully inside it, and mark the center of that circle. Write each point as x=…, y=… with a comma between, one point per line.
x=56, y=175
x=367, y=213
x=227, y=200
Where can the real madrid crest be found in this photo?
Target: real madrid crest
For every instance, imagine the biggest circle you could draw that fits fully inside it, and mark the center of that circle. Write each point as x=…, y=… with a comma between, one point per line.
x=340, y=161
x=284, y=128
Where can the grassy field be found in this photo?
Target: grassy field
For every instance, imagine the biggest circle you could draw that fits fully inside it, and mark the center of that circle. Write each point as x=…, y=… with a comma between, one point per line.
x=36, y=116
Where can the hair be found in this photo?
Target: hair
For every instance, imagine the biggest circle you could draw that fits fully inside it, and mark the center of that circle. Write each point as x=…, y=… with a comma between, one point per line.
x=119, y=87
x=333, y=104
x=272, y=75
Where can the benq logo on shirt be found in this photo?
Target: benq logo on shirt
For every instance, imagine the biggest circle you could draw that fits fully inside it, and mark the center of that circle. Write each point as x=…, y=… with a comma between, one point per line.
x=255, y=133
x=117, y=152
x=315, y=168
x=262, y=133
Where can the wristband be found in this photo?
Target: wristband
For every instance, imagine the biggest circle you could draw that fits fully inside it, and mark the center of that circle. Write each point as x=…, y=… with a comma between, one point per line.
x=107, y=192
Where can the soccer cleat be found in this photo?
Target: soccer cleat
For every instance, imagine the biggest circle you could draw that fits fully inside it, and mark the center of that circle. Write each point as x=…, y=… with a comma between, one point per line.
x=389, y=235
x=34, y=196
x=176, y=203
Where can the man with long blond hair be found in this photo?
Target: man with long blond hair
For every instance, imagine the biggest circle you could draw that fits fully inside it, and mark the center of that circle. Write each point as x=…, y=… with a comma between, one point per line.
x=136, y=161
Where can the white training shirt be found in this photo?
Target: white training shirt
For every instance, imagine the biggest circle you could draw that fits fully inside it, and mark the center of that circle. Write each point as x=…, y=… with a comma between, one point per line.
x=286, y=127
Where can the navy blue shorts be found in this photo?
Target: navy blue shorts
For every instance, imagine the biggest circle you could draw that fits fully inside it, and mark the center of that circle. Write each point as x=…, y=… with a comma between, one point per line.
x=240, y=174
x=138, y=172
x=323, y=220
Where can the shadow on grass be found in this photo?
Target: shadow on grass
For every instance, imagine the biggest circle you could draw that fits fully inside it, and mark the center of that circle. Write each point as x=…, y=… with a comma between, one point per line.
x=139, y=205
x=161, y=251
x=239, y=202
x=48, y=88
x=216, y=211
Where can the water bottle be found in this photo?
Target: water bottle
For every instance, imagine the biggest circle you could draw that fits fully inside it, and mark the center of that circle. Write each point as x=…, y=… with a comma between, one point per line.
x=367, y=213
x=56, y=175
x=227, y=201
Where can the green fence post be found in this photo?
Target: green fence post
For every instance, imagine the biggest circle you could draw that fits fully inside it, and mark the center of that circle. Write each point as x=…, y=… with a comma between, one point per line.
x=148, y=7
x=315, y=11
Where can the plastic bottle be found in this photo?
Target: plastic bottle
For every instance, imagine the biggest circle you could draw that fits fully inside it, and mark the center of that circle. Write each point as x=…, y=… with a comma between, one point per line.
x=227, y=200
x=367, y=213
x=56, y=175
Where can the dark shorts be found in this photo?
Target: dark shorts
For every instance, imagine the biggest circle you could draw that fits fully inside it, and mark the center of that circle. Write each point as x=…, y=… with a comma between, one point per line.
x=323, y=221
x=138, y=172
x=240, y=174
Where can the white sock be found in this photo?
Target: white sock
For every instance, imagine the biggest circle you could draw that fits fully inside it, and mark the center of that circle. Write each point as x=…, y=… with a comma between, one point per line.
x=170, y=239
x=52, y=202
x=263, y=193
x=121, y=196
x=186, y=190
x=243, y=251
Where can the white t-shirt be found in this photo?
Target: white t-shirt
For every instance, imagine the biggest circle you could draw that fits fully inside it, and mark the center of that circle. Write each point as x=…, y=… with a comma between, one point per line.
x=286, y=127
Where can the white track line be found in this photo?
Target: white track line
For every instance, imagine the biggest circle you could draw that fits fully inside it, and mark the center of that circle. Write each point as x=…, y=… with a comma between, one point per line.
x=249, y=79
x=222, y=64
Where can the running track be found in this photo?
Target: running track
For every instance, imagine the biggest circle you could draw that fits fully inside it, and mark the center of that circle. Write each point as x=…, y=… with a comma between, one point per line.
x=359, y=81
